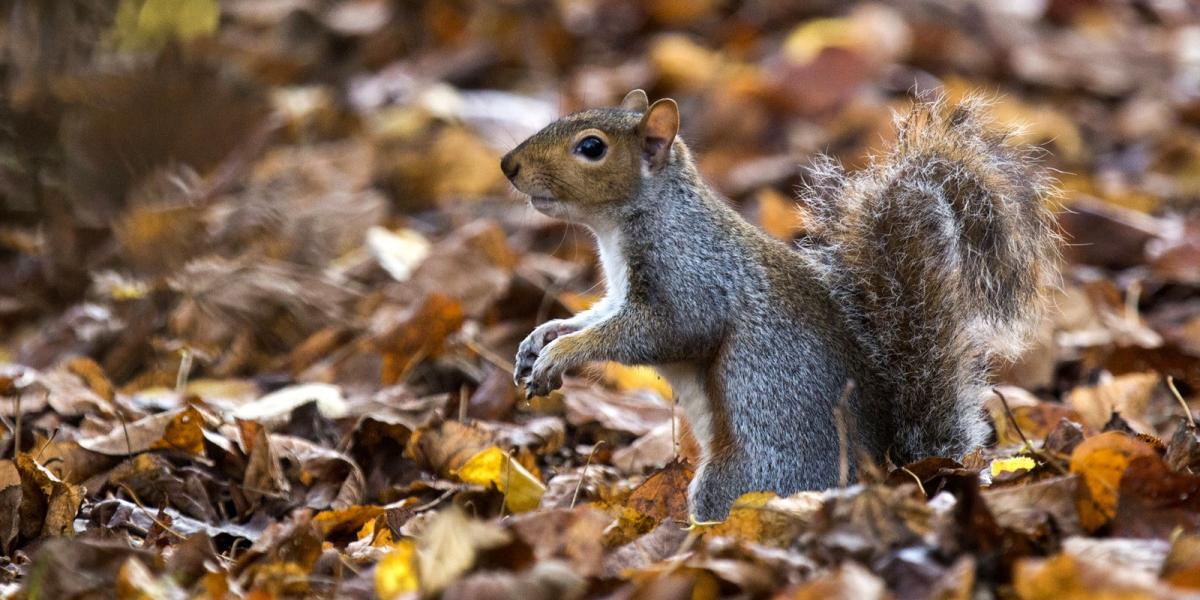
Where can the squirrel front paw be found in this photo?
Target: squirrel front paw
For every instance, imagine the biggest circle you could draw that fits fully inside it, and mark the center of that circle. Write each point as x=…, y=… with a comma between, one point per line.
x=546, y=373
x=531, y=347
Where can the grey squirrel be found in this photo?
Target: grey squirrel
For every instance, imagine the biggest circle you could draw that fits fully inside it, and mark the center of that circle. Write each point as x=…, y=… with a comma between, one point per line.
x=917, y=273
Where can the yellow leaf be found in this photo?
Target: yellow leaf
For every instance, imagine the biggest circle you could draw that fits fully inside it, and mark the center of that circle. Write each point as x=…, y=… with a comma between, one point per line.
x=152, y=23
x=395, y=575
x=1008, y=465
x=808, y=40
x=636, y=378
x=522, y=491
x=762, y=518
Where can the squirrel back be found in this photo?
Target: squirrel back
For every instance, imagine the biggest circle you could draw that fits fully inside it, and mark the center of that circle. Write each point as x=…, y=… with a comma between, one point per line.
x=940, y=254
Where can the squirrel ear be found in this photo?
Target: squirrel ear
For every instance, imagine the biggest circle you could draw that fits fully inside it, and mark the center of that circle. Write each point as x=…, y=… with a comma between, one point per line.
x=636, y=101
x=658, y=128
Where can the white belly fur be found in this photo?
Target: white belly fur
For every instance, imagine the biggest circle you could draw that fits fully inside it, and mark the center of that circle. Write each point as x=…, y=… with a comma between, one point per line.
x=687, y=381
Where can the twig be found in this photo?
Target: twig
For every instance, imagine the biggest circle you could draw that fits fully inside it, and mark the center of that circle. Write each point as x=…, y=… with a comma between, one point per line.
x=53, y=434
x=434, y=502
x=463, y=399
x=839, y=419
x=1186, y=410
x=165, y=527
x=1012, y=418
x=1046, y=458
x=125, y=428
x=583, y=475
x=17, y=427
x=1131, y=302
x=920, y=485
x=488, y=355
x=411, y=364
x=185, y=367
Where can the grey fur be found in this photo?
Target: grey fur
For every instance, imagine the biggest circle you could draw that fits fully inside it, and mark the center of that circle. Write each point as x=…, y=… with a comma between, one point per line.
x=918, y=272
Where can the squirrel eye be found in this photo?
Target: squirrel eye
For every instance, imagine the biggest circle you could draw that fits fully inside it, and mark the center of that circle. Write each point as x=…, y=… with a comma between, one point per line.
x=591, y=147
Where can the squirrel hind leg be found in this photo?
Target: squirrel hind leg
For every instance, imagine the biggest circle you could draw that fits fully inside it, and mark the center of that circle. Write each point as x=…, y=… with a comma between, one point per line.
x=715, y=487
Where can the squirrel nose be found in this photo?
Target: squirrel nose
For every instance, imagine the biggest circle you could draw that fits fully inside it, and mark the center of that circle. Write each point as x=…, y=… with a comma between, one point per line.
x=510, y=166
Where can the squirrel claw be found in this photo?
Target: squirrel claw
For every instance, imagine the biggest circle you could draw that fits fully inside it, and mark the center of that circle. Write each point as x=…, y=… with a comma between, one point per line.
x=530, y=351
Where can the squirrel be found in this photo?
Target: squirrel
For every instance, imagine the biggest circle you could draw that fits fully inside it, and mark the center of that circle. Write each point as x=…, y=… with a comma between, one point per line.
x=915, y=276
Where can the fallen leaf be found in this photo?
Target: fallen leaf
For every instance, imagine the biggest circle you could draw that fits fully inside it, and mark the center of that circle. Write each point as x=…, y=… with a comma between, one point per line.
x=264, y=473
x=574, y=535
x=152, y=23
x=764, y=518
x=1062, y=577
x=449, y=545
x=849, y=580
x=1181, y=567
x=664, y=494
x=493, y=468
x=135, y=580
x=1026, y=507
x=1155, y=502
x=1010, y=465
x=278, y=405
x=635, y=412
x=10, y=504
x=398, y=252
x=48, y=505
x=1127, y=394
x=179, y=430
x=1101, y=461
x=396, y=572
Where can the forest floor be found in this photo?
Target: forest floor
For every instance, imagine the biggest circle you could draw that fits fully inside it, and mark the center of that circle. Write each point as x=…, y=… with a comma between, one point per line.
x=261, y=280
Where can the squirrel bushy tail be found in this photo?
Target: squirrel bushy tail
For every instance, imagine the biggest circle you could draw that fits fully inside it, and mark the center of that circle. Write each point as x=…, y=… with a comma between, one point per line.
x=941, y=254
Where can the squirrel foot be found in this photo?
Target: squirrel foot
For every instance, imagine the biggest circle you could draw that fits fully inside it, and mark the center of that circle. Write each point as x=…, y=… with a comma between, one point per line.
x=531, y=348
x=546, y=374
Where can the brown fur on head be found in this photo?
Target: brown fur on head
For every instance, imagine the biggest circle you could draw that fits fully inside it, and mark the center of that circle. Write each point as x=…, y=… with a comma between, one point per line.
x=587, y=163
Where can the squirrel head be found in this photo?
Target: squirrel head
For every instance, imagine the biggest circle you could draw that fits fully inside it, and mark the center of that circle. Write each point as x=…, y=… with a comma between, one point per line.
x=594, y=160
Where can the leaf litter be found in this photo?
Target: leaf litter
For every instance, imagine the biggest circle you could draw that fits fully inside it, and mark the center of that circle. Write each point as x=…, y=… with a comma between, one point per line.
x=262, y=282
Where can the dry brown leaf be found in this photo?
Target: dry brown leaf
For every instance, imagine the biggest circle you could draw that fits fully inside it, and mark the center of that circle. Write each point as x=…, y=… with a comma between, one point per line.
x=1129, y=395
x=1155, y=501
x=447, y=447
x=573, y=535
x=850, y=581
x=1101, y=461
x=10, y=504
x=344, y=522
x=1181, y=568
x=636, y=412
x=664, y=494
x=449, y=545
x=764, y=518
x=321, y=477
x=178, y=430
x=657, y=448
x=1036, y=421
x=1062, y=577
x=264, y=474
x=1026, y=507
x=48, y=505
